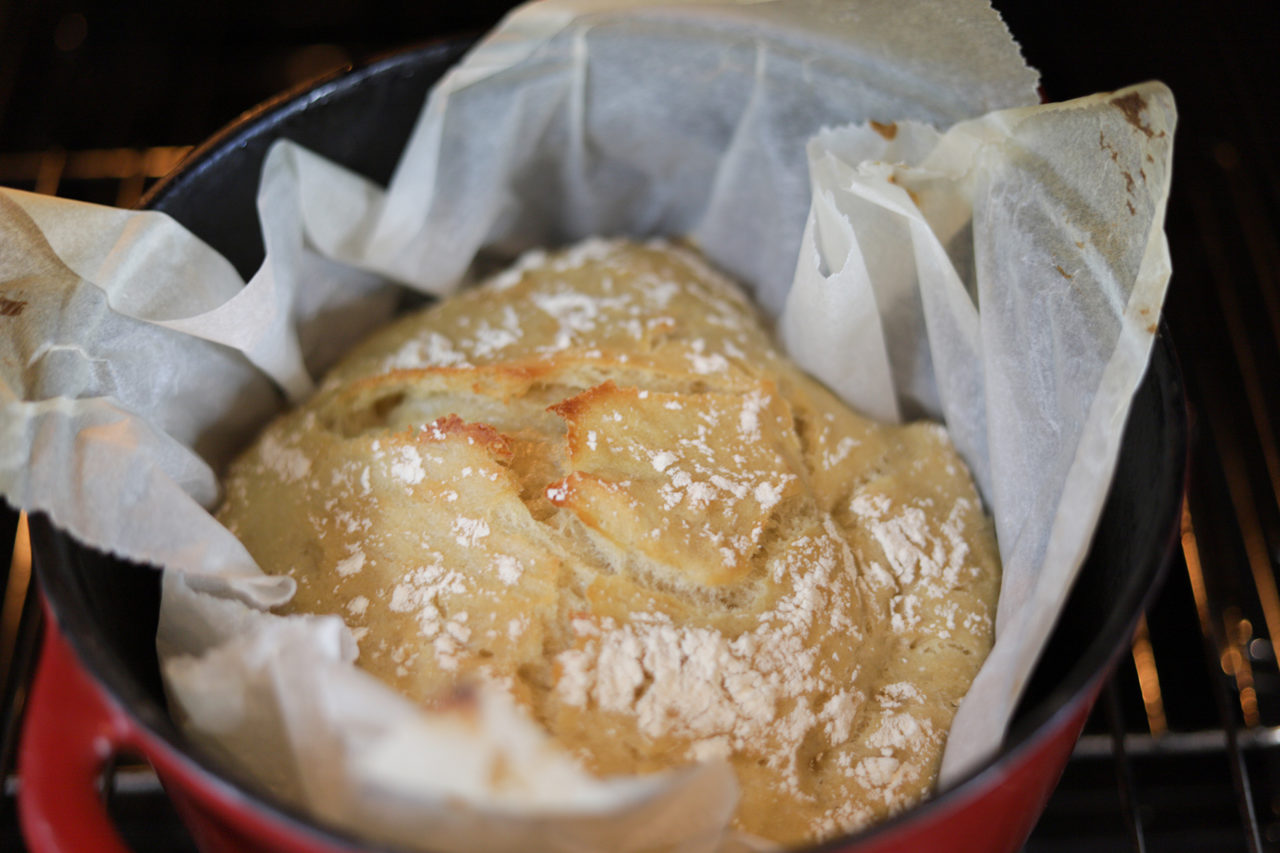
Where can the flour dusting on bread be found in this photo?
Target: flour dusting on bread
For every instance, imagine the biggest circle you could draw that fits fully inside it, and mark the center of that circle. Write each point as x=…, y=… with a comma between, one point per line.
x=595, y=482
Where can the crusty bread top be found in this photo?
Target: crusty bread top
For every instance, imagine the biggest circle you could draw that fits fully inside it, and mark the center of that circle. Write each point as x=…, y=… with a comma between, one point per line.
x=595, y=481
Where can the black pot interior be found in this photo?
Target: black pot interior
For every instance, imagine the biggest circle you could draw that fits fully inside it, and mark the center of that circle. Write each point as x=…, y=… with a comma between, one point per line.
x=361, y=119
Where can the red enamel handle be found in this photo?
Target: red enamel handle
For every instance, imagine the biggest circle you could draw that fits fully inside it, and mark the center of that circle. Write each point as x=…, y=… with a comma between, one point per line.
x=70, y=731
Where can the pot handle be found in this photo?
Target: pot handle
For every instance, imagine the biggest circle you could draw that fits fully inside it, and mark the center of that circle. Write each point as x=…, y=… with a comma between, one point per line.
x=70, y=731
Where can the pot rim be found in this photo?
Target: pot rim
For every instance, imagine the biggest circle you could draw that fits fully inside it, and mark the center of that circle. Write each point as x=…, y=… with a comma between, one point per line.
x=1030, y=728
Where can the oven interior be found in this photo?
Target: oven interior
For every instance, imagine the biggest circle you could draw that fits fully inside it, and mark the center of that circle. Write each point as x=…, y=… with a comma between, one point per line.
x=1182, y=753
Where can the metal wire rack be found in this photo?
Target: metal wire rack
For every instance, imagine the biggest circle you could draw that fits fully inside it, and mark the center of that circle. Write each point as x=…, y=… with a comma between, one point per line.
x=117, y=176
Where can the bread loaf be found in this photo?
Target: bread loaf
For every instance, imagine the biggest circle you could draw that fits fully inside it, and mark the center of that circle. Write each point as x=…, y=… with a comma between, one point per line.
x=596, y=482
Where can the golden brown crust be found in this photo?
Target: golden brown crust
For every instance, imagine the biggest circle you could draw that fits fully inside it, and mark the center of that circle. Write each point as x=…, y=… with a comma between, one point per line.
x=595, y=482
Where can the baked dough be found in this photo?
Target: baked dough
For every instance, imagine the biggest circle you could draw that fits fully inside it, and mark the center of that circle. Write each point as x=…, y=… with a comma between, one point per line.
x=594, y=481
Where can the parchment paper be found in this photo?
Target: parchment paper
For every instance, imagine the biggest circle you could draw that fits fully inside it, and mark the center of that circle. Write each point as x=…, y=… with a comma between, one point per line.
x=1004, y=275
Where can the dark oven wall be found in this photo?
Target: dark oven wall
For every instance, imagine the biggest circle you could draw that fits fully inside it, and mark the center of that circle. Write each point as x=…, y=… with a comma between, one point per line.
x=98, y=100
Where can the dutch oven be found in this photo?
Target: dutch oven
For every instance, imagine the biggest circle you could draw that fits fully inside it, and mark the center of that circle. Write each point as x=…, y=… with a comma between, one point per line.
x=97, y=690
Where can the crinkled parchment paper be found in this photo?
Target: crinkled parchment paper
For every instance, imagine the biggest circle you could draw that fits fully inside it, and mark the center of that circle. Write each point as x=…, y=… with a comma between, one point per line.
x=932, y=242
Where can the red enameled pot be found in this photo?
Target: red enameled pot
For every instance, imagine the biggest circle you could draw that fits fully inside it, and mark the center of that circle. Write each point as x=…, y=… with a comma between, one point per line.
x=97, y=691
